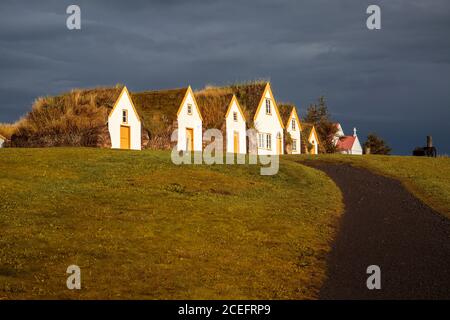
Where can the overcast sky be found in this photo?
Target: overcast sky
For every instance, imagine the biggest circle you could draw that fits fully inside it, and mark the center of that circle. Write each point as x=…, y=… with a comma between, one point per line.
x=394, y=81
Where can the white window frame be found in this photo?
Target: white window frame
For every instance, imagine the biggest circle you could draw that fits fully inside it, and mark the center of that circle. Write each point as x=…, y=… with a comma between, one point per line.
x=268, y=106
x=264, y=141
x=189, y=109
x=261, y=140
x=293, y=125
x=294, y=144
x=268, y=141
x=235, y=116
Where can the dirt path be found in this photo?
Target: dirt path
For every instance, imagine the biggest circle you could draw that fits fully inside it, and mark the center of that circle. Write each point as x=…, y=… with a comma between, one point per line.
x=385, y=225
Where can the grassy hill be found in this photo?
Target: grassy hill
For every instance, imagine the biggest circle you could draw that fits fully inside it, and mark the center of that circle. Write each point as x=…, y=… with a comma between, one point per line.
x=140, y=227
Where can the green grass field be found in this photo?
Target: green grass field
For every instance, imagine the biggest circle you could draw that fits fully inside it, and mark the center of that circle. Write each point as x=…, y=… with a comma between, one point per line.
x=427, y=178
x=140, y=227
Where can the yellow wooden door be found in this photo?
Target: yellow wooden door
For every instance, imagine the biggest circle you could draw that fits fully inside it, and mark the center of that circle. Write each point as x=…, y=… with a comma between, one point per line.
x=236, y=142
x=278, y=145
x=124, y=137
x=189, y=139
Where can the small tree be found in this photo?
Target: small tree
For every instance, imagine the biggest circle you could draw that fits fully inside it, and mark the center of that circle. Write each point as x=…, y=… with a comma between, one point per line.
x=376, y=144
x=318, y=115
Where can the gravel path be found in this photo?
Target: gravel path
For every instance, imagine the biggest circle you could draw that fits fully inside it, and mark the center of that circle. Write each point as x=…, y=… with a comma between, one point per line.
x=385, y=225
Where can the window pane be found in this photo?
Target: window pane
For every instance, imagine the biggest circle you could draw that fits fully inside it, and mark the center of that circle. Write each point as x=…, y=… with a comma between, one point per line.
x=268, y=111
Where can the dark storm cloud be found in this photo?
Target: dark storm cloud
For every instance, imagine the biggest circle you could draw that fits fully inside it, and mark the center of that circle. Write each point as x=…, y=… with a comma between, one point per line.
x=394, y=81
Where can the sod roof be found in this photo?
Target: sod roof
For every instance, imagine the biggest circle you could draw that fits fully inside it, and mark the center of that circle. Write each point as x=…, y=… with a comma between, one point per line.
x=285, y=110
x=213, y=106
x=306, y=131
x=157, y=109
x=99, y=97
x=307, y=127
x=248, y=95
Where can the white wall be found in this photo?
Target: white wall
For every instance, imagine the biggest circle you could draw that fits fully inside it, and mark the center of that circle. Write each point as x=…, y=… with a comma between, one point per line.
x=357, y=149
x=192, y=121
x=339, y=133
x=235, y=126
x=269, y=124
x=295, y=134
x=1, y=142
x=115, y=121
x=312, y=139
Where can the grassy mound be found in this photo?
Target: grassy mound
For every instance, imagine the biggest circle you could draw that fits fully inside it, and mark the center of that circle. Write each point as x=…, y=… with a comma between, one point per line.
x=77, y=118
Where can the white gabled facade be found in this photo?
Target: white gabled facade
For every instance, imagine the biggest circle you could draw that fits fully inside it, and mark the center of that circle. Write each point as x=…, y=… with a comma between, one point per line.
x=356, y=148
x=189, y=124
x=314, y=140
x=235, y=128
x=293, y=127
x=339, y=133
x=2, y=141
x=124, y=124
x=268, y=124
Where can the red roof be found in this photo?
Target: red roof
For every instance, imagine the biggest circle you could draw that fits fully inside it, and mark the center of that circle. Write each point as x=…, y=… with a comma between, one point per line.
x=345, y=142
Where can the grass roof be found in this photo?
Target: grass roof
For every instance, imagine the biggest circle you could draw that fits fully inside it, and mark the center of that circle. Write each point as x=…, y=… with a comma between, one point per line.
x=98, y=97
x=213, y=106
x=248, y=95
x=307, y=127
x=306, y=131
x=75, y=118
x=158, y=109
x=285, y=110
